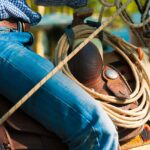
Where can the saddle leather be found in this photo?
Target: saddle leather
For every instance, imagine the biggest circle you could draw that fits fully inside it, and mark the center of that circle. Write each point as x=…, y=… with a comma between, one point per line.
x=4, y=139
x=87, y=67
x=119, y=86
x=22, y=132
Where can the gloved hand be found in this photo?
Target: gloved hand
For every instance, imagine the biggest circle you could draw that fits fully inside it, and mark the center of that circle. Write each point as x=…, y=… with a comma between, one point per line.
x=70, y=3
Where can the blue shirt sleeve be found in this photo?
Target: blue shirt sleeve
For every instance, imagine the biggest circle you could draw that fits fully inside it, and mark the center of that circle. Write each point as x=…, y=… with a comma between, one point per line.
x=70, y=3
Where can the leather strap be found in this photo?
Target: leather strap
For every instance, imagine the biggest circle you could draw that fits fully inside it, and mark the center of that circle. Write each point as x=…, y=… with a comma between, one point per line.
x=4, y=139
x=14, y=25
x=119, y=86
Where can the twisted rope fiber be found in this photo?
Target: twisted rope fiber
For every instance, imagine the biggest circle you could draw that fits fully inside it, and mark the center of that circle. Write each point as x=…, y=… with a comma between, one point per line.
x=134, y=25
x=126, y=18
x=138, y=28
x=60, y=65
x=118, y=4
x=143, y=26
x=123, y=118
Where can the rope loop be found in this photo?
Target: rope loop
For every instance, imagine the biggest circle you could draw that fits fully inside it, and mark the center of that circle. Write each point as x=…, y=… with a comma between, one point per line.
x=123, y=118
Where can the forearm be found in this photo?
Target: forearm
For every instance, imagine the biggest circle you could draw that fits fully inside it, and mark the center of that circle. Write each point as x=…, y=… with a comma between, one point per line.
x=71, y=3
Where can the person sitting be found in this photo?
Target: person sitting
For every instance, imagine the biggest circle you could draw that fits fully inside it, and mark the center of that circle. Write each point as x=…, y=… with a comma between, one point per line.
x=60, y=105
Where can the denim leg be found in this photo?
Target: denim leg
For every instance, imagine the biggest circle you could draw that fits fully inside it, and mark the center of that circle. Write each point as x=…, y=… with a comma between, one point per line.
x=60, y=105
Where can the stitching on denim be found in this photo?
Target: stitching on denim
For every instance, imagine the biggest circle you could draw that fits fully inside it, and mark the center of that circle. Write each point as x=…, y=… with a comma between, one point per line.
x=21, y=51
x=43, y=87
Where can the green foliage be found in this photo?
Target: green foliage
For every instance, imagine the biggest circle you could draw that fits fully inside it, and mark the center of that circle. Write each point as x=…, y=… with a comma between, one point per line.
x=95, y=4
x=132, y=8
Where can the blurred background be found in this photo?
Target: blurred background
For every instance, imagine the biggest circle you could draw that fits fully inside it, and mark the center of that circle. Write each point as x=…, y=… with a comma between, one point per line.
x=56, y=19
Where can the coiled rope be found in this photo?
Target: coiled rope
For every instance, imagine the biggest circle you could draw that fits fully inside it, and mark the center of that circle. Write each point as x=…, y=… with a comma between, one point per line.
x=128, y=22
x=138, y=29
x=118, y=4
x=123, y=118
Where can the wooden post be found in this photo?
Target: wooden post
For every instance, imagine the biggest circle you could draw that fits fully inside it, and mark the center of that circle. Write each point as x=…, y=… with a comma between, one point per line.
x=39, y=47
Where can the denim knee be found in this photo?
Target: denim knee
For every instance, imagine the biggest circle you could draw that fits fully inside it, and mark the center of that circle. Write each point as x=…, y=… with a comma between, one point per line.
x=109, y=134
x=99, y=134
x=80, y=120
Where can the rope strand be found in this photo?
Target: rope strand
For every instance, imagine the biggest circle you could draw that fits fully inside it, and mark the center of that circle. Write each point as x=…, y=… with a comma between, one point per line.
x=123, y=118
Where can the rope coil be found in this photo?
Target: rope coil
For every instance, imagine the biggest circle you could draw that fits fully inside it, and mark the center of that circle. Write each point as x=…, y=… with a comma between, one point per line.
x=133, y=118
x=140, y=30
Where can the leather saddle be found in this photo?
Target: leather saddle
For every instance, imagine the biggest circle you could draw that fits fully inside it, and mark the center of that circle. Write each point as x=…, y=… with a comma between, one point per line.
x=89, y=69
x=22, y=132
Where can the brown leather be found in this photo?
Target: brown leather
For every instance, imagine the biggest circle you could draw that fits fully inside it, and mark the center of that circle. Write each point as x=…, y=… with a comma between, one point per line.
x=25, y=133
x=4, y=140
x=127, y=134
x=14, y=25
x=87, y=67
x=119, y=86
x=80, y=15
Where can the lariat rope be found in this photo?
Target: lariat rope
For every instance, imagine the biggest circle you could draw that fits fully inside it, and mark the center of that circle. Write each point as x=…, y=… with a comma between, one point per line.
x=61, y=64
x=136, y=25
x=137, y=29
x=123, y=118
x=117, y=4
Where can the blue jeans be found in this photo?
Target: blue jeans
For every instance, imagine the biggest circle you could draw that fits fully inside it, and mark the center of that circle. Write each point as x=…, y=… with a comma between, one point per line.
x=59, y=105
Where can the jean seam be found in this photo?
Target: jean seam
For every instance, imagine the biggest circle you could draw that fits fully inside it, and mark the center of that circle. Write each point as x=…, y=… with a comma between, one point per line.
x=43, y=87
